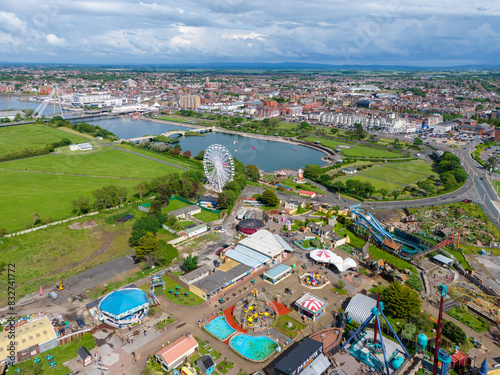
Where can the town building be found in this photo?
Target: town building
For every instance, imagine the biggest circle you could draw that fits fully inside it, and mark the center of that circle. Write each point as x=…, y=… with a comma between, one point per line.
x=174, y=354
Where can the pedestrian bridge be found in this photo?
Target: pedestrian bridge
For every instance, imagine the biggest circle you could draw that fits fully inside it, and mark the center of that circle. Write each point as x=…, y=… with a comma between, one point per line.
x=181, y=133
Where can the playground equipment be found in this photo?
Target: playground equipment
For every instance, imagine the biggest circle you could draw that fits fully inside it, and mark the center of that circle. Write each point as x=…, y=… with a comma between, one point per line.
x=156, y=280
x=370, y=348
x=313, y=279
x=60, y=285
x=367, y=221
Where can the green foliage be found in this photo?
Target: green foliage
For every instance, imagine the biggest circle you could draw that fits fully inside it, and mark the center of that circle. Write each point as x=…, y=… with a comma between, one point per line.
x=269, y=198
x=147, y=244
x=81, y=205
x=478, y=324
x=401, y=301
x=150, y=223
x=109, y=196
x=312, y=171
x=453, y=332
x=418, y=141
x=190, y=263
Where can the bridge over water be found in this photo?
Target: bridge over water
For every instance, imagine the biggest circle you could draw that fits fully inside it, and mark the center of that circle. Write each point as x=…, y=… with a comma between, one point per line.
x=181, y=133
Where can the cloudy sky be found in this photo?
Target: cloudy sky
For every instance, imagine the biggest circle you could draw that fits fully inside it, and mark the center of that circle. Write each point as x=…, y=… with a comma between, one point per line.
x=405, y=32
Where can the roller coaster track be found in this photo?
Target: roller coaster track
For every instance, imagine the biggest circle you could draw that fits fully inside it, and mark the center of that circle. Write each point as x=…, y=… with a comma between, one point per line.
x=372, y=225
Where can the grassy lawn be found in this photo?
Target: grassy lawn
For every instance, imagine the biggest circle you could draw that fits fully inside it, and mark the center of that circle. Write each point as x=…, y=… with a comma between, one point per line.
x=329, y=142
x=378, y=184
x=190, y=300
x=391, y=259
x=460, y=257
x=163, y=156
x=200, y=242
x=204, y=348
x=24, y=193
x=364, y=151
x=377, y=289
x=108, y=162
x=289, y=182
x=477, y=324
x=281, y=325
x=34, y=136
x=224, y=366
x=61, y=354
x=207, y=216
x=75, y=250
x=342, y=292
x=183, y=224
x=174, y=204
x=413, y=166
x=400, y=176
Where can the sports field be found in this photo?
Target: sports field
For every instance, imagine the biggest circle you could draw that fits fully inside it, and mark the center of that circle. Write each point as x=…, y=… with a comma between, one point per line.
x=24, y=193
x=396, y=175
x=33, y=136
x=106, y=162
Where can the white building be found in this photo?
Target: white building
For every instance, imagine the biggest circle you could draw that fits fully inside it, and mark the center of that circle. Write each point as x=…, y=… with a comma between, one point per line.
x=81, y=147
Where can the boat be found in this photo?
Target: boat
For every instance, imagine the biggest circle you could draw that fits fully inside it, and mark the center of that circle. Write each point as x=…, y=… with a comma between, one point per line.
x=253, y=147
x=235, y=150
x=294, y=149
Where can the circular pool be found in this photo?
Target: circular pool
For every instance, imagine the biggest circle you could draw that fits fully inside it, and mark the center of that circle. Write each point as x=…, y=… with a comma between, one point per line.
x=254, y=348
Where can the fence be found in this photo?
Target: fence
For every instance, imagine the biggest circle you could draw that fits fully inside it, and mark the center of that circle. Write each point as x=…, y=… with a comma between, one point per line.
x=68, y=338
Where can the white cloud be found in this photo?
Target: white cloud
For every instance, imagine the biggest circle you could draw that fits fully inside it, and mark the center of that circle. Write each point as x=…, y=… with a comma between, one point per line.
x=55, y=40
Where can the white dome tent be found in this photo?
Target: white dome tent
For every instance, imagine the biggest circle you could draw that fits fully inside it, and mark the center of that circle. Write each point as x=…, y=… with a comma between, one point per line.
x=327, y=256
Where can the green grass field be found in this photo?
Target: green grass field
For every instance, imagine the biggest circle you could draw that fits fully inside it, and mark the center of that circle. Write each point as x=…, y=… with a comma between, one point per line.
x=108, y=162
x=61, y=354
x=34, y=136
x=174, y=204
x=35, y=253
x=378, y=184
x=399, y=176
x=166, y=157
x=363, y=151
x=24, y=193
x=207, y=216
x=289, y=182
x=190, y=300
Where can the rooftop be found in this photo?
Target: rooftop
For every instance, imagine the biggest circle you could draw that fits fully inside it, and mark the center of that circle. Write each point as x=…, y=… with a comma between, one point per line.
x=264, y=242
x=177, y=349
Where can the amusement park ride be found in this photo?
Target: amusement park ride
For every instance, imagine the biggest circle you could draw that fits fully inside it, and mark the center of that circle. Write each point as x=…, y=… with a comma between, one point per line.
x=368, y=350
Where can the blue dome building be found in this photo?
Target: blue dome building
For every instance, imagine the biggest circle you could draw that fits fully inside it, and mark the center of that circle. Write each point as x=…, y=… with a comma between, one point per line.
x=123, y=307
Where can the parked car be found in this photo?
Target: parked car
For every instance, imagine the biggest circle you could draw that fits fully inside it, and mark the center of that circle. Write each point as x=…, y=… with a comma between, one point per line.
x=219, y=251
x=80, y=322
x=218, y=228
x=225, y=246
x=216, y=263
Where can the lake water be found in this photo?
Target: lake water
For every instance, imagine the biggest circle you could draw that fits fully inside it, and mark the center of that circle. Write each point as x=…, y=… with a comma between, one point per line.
x=267, y=155
x=14, y=103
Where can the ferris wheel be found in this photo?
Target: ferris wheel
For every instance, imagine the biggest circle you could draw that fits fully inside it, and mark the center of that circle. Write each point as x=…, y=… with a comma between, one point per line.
x=219, y=167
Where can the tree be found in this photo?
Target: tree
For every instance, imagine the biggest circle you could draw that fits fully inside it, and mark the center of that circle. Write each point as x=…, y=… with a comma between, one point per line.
x=395, y=194
x=448, y=180
x=460, y=175
x=81, y=205
x=341, y=283
x=409, y=331
x=325, y=178
x=175, y=151
x=491, y=163
x=200, y=155
x=401, y=301
x=454, y=332
x=426, y=185
x=338, y=186
x=223, y=200
x=312, y=171
x=154, y=207
x=190, y=263
x=269, y=198
x=186, y=154
x=383, y=192
x=273, y=122
x=334, y=130
x=142, y=188
x=122, y=194
x=418, y=141
x=164, y=193
x=147, y=244
x=252, y=173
